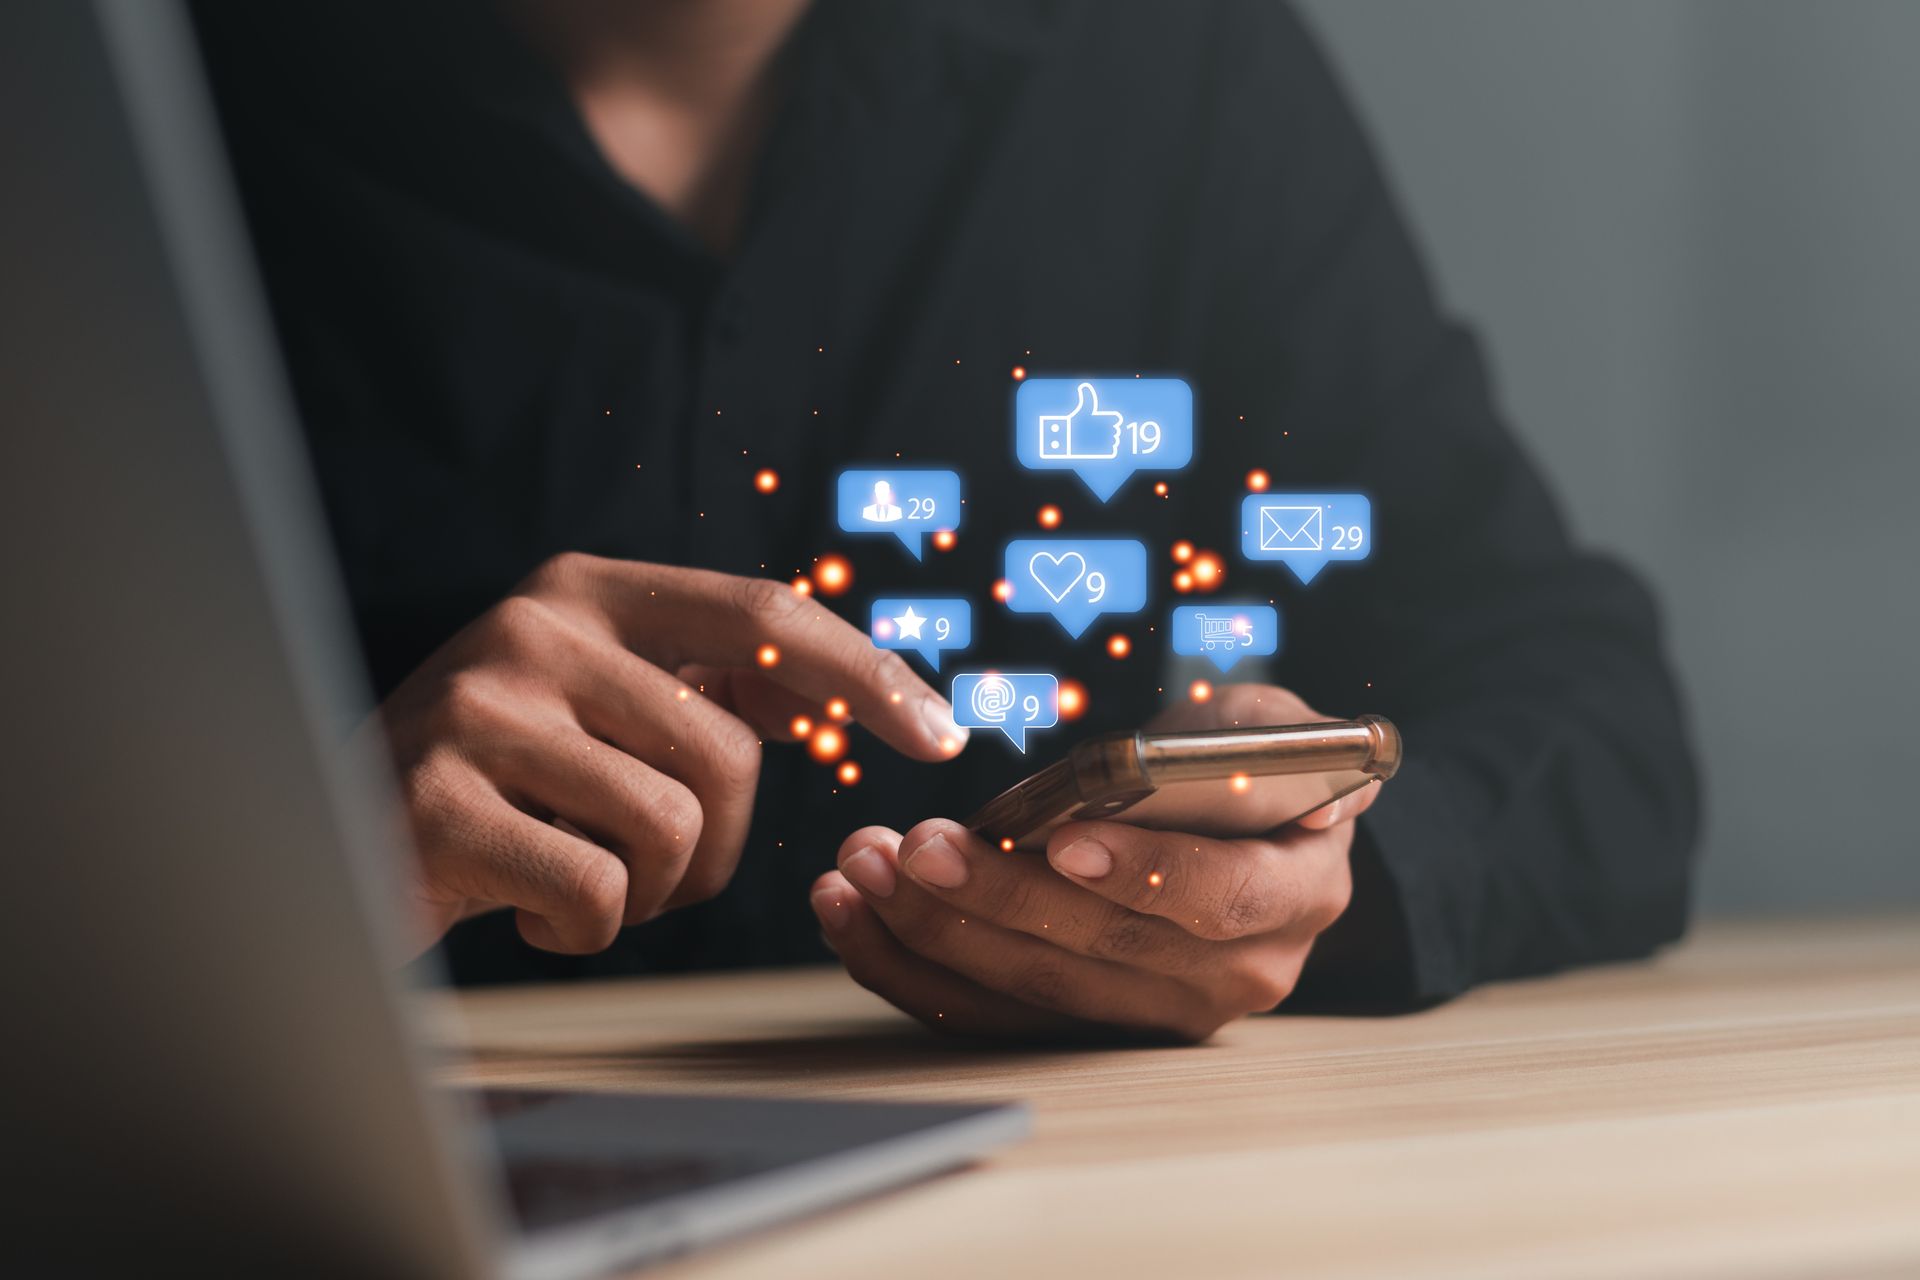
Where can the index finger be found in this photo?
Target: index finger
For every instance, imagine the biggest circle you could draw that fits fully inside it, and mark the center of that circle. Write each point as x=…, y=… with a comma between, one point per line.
x=676, y=616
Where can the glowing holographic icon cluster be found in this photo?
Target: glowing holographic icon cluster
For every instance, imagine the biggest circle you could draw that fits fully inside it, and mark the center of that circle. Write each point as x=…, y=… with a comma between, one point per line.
x=1102, y=429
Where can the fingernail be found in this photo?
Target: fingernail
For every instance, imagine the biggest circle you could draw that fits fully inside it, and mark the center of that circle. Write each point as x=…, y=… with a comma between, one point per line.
x=831, y=906
x=938, y=863
x=938, y=717
x=870, y=870
x=1086, y=858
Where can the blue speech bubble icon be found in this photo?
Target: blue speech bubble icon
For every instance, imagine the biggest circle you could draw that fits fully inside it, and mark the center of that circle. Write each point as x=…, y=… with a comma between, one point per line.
x=1076, y=579
x=1103, y=429
x=907, y=502
x=1011, y=701
x=1304, y=531
x=926, y=625
x=1226, y=632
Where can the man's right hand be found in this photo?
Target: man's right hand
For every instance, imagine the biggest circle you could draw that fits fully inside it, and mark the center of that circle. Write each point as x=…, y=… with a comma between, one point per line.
x=556, y=756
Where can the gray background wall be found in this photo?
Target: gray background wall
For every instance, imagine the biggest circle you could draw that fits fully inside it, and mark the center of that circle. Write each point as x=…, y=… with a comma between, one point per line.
x=1689, y=231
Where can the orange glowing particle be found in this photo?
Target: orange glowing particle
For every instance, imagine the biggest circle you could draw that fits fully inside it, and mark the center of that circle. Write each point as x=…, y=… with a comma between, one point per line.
x=803, y=585
x=800, y=726
x=837, y=709
x=683, y=693
x=827, y=744
x=1200, y=691
x=1183, y=581
x=1072, y=702
x=767, y=655
x=896, y=697
x=833, y=575
x=1019, y=373
x=848, y=773
x=1155, y=879
x=1182, y=551
x=1118, y=646
x=1049, y=517
x=766, y=479
x=1003, y=590
x=943, y=539
x=1258, y=480
x=1240, y=782
x=1160, y=488
x=1006, y=843
x=1207, y=571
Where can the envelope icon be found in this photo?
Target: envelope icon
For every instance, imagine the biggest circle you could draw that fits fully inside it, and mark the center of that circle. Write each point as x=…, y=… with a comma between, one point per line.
x=1292, y=528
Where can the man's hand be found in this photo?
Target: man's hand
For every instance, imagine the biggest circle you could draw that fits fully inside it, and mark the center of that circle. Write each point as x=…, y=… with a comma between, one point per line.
x=1120, y=928
x=558, y=755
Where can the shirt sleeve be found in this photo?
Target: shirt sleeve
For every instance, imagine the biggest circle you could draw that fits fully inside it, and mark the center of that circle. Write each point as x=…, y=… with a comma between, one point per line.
x=1546, y=810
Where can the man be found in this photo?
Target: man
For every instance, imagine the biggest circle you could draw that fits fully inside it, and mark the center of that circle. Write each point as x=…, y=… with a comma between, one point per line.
x=556, y=282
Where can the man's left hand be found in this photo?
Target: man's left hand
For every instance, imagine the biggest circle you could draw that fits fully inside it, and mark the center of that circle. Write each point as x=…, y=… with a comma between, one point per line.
x=1147, y=933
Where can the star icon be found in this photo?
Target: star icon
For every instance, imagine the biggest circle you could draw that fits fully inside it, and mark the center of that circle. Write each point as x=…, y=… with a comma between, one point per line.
x=910, y=624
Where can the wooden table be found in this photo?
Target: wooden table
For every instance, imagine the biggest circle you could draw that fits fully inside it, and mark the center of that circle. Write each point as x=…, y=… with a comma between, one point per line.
x=1747, y=1105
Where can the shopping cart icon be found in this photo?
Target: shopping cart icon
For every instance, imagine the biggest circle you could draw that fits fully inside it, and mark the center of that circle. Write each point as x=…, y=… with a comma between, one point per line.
x=1223, y=633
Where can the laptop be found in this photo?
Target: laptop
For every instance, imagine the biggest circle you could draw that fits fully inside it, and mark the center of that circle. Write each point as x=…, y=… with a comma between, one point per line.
x=207, y=1066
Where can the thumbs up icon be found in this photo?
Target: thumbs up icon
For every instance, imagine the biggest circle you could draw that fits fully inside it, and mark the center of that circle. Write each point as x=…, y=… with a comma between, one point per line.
x=1086, y=433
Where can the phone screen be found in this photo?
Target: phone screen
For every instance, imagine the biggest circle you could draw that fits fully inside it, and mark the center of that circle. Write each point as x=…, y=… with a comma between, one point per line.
x=1226, y=783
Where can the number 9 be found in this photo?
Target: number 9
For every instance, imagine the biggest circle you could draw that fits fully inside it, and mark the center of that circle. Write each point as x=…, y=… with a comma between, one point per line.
x=1031, y=705
x=942, y=628
x=1096, y=588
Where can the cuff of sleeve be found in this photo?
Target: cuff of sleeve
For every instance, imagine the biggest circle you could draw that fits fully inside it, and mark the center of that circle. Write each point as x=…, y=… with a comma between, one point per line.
x=1417, y=837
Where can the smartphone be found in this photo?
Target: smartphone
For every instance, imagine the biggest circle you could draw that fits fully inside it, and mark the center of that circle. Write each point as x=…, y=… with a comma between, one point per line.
x=1209, y=781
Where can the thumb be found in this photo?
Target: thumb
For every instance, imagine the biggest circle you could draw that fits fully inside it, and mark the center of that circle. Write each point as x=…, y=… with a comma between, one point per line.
x=1087, y=403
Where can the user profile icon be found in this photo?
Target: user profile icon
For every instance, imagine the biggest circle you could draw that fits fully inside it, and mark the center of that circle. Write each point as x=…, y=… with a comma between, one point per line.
x=883, y=509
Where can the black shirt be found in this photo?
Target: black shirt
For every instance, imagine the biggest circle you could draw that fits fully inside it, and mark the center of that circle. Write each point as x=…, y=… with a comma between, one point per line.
x=502, y=350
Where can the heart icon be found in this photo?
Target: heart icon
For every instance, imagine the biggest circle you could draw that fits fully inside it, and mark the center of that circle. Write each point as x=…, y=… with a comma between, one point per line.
x=1052, y=575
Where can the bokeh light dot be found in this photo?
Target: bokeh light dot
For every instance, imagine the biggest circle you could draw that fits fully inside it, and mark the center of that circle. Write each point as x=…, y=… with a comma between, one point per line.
x=827, y=744
x=832, y=575
x=1073, y=700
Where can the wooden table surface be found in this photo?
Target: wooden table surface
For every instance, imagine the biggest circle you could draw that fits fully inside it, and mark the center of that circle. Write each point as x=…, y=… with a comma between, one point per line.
x=1746, y=1105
